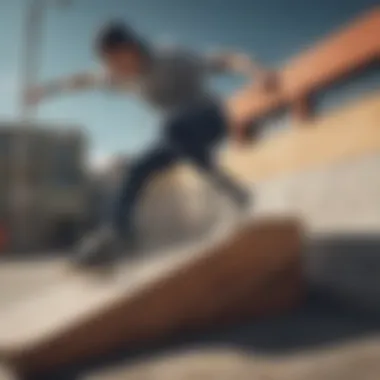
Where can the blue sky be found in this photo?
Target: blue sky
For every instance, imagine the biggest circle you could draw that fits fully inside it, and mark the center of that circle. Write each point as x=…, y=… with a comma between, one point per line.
x=273, y=30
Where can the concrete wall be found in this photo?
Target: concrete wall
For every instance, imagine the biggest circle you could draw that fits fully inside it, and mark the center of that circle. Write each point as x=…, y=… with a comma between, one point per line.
x=339, y=199
x=340, y=206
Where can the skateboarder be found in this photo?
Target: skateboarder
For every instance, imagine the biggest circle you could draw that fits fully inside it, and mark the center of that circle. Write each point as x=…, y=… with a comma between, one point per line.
x=174, y=82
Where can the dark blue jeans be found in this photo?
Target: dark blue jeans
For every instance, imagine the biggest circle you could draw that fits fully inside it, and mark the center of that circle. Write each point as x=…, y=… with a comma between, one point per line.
x=190, y=136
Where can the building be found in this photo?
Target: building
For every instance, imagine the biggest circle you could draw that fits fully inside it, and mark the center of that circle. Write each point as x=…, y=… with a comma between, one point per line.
x=43, y=184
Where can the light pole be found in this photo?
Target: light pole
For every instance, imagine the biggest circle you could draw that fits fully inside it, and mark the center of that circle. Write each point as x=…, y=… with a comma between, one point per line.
x=30, y=52
x=32, y=48
x=30, y=55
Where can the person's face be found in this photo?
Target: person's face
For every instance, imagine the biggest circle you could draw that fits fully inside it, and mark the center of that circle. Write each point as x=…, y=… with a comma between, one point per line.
x=123, y=62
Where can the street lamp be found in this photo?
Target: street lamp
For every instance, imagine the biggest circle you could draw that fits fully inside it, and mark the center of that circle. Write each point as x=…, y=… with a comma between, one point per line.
x=32, y=49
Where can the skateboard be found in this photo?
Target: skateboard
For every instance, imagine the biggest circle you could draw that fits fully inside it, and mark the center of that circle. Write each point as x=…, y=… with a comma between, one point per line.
x=106, y=265
x=231, y=220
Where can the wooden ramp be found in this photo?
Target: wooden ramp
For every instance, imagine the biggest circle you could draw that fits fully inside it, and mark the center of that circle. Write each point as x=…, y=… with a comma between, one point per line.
x=252, y=272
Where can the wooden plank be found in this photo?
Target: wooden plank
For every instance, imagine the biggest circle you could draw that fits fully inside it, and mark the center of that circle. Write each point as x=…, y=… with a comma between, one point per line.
x=254, y=272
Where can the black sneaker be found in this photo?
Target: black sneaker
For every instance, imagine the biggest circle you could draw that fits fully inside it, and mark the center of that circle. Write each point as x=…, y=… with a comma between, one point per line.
x=244, y=200
x=100, y=247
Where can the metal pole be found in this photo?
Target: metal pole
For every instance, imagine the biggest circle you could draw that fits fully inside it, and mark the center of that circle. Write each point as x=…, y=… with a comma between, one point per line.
x=31, y=49
x=29, y=67
x=31, y=53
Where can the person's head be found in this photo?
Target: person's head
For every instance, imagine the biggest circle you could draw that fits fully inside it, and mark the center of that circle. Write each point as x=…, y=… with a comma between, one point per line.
x=121, y=50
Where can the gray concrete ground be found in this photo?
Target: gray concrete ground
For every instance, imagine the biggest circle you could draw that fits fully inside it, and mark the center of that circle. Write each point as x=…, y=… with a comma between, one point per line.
x=19, y=278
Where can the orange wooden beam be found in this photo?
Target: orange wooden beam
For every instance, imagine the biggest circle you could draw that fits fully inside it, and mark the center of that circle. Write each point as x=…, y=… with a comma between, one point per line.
x=340, y=54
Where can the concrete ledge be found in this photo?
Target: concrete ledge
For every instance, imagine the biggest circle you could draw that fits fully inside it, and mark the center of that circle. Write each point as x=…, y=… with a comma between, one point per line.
x=254, y=272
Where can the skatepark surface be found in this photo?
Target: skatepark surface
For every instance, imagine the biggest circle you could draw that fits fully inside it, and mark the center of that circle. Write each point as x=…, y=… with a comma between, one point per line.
x=323, y=338
x=84, y=315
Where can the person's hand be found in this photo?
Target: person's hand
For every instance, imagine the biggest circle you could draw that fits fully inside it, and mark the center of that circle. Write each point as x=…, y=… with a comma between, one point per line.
x=269, y=81
x=242, y=134
x=241, y=63
x=33, y=95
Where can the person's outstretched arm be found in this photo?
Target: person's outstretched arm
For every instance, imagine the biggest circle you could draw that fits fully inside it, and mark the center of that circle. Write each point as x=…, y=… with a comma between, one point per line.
x=266, y=79
x=75, y=83
x=245, y=65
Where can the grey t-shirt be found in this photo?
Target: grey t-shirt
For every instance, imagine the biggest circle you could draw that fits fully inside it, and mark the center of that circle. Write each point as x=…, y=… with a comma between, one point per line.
x=176, y=79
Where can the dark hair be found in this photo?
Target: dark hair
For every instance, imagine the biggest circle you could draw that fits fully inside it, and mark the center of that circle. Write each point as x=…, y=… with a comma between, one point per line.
x=117, y=34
